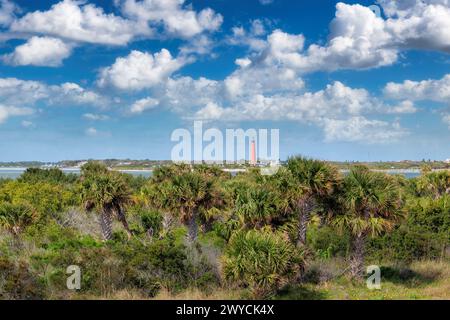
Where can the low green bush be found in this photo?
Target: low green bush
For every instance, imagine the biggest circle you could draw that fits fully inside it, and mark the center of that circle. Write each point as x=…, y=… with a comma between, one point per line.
x=326, y=242
x=17, y=282
x=262, y=261
x=424, y=235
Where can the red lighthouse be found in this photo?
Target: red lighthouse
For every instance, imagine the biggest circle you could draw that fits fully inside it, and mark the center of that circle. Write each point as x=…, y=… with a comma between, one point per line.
x=253, y=153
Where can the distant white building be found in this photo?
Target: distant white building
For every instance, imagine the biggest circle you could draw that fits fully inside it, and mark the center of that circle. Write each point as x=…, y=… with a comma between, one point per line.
x=80, y=164
x=447, y=160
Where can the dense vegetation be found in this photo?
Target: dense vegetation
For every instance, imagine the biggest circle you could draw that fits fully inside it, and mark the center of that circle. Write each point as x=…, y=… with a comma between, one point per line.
x=198, y=231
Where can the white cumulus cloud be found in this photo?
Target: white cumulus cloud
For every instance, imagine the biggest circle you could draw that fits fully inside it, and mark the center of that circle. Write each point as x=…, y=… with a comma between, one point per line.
x=143, y=104
x=174, y=16
x=140, y=70
x=7, y=12
x=91, y=132
x=17, y=92
x=405, y=106
x=359, y=39
x=95, y=117
x=332, y=107
x=431, y=89
x=78, y=21
x=10, y=111
x=360, y=129
x=39, y=51
x=446, y=119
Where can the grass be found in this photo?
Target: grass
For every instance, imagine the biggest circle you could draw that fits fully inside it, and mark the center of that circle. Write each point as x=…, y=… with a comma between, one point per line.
x=420, y=280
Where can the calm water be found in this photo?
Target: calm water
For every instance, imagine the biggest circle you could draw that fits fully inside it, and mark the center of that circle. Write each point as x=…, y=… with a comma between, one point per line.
x=14, y=173
x=411, y=175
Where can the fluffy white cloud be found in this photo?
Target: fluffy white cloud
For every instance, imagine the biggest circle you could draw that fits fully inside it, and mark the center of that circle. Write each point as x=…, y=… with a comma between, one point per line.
x=91, y=132
x=39, y=51
x=360, y=129
x=434, y=90
x=201, y=45
x=7, y=12
x=431, y=90
x=252, y=37
x=94, y=132
x=80, y=21
x=329, y=108
x=9, y=111
x=17, y=92
x=184, y=95
x=279, y=66
x=95, y=117
x=21, y=92
x=72, y=93
x=252, y=79
x=27, y=124
x=335, y=101
x=405, y=106
x=143, y=104
x=446, y=119
x=174, y=16
x=359, y=39
x=140, y=70
x=270, y=71
x=422, y=24
x=77, y=21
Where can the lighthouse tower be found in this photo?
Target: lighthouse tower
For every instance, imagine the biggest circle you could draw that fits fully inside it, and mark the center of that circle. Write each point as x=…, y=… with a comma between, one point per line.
x=253, y=153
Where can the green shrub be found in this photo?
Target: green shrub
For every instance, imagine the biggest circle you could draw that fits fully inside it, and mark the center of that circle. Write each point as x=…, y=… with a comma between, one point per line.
x=424, y=235
x=16, y=217
x=262, y=261
x=48, y=200
x=17, y=282
x=152, y=220
x=326, y=242
x=52, y=175
x=160, y=264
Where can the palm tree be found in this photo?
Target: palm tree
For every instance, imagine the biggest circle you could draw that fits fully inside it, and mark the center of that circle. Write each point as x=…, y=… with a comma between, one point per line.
x=106, y=192
x=371, y=204
x=262, y=260
x=289, y=191
x=184, y=193
x=318, y=181
x=255, y=208
x=435, y=184
x=15, y=217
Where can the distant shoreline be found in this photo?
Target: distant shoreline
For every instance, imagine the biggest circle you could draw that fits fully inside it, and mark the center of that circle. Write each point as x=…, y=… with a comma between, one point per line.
x=75, y=169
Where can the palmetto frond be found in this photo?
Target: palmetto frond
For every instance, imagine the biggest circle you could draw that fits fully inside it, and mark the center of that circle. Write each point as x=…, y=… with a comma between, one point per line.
x=316, y=177
x=15, y=217
x=255, y=207
x=262, y=260
x=435, y=184
x=371, y=203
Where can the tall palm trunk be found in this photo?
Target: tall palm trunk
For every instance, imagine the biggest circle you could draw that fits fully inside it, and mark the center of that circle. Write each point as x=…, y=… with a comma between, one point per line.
x=306, y=207
x=358, y=255
x=192, y=228
x=106, y=223
x=121, y=217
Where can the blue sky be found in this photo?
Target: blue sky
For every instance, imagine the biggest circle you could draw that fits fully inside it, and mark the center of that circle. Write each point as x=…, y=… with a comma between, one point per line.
x=113, y=79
